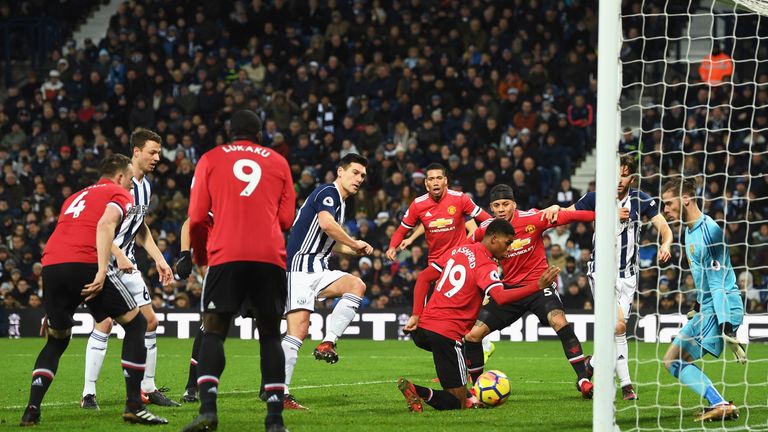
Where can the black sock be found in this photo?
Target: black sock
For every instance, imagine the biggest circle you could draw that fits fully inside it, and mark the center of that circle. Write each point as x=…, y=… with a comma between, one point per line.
x=134, y=358
x=209, y=368
x=572, y=349
x=273, y=376
x=45, y=368
x=438, y=399
x=192, y=377
x=473, y=351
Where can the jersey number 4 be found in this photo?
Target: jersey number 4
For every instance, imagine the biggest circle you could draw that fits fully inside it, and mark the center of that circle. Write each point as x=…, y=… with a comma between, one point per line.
x=454, y=274
x=77, y=206
x=248, y=171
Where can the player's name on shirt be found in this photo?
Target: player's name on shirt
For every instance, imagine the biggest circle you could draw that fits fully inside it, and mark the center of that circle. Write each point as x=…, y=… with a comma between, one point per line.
x=261, y=151
x=468, y=253
x=138, y=209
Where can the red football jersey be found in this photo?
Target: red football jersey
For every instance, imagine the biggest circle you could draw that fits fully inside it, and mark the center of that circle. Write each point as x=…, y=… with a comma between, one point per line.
x=250, y=191
x=468, y=273
x=443, y=220
x=526, y=259
x=74, y=239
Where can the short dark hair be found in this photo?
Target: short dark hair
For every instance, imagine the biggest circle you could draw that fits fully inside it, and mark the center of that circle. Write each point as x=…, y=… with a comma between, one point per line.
x=140, y=136
x=502, y=191
x=436, y=166
x=113, y=164
x=680, y=185
x=351, y=158
x=500, y=226
x=245, y=125
x=629, y=162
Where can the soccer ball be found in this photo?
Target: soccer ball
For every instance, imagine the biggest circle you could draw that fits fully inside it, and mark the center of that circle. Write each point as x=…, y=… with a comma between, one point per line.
x=492, y=388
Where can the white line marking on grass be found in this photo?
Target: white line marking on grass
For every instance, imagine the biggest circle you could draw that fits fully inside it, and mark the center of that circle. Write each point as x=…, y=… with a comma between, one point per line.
x=304, y=387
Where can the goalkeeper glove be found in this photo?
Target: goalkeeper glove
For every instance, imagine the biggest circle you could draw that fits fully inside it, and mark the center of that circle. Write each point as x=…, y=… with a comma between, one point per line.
x=692, y=313
x=729, y=336
x=184, y=265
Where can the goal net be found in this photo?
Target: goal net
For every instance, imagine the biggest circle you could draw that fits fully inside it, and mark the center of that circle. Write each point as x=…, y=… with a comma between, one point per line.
x=694, y=102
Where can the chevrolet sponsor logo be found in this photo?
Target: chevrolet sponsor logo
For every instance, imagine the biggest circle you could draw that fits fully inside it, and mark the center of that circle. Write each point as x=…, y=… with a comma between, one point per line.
x=519, y=244
x=441, y=223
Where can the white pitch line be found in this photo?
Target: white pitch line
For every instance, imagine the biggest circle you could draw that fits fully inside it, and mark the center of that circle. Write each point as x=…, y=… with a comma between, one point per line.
x=304, y=387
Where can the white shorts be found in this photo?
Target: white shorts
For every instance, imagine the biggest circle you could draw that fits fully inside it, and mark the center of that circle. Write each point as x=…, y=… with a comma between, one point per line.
x=135, y=285
x=625, y=292
x=305, y=287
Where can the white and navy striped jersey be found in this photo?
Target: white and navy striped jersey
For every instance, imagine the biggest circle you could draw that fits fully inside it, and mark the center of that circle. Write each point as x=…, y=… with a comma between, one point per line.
x=126, y=235
x=640, y=205
x=308, y=245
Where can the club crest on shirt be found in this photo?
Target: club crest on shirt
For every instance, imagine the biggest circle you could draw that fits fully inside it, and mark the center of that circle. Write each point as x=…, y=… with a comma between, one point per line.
x=451, y=210
x=530, y=228
x=691, y=249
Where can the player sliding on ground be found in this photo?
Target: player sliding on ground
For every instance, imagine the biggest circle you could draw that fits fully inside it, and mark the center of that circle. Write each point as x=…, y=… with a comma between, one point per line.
x=721, y=307
x=523, y=265
x=469, y=272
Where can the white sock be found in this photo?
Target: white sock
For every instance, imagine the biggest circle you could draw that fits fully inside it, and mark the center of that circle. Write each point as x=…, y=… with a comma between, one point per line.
x=486, y=343
x=148, y=383
x=622, y=360
x=342, y=315
x=291, y=346
x=94, y=359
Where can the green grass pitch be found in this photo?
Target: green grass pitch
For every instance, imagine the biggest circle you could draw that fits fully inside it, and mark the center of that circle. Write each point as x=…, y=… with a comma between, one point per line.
x=359, y=392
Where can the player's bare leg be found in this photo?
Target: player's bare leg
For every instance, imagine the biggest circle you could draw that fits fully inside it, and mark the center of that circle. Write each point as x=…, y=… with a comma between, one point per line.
x=351, y=290
x=572, y=348
x=95, y=352
x=149, y=391
x=298, y=327
x=680, y=364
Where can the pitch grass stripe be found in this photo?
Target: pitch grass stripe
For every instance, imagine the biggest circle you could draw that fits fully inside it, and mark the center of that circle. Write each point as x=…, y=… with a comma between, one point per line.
x=303, y=387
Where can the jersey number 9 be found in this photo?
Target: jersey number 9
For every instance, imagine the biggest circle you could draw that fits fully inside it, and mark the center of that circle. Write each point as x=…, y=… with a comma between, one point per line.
x=248, y=171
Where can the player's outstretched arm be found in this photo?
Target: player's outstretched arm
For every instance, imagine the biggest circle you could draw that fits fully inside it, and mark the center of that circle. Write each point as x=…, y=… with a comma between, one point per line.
x=105, y=235
x=144, y=238
x=506, y=296
x=660, y=223
x=329, y=226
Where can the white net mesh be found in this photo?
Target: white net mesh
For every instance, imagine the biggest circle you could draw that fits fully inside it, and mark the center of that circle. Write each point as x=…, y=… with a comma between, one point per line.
x=694, y=101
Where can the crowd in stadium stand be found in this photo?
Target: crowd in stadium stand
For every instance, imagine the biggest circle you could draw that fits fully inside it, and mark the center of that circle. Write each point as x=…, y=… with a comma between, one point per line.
x=498, y=92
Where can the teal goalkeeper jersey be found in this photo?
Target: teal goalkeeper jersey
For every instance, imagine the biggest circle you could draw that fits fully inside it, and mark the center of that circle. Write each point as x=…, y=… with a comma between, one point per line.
x=710, y=263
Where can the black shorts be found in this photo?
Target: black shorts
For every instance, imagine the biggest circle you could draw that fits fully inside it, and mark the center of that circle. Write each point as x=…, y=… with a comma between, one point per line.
x=540, y=303
x=253, y=289
x=63, y=283
x=448, y=355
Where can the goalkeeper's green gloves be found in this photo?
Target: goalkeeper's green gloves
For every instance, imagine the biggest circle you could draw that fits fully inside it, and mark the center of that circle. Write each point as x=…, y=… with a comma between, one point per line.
x=729, y=336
